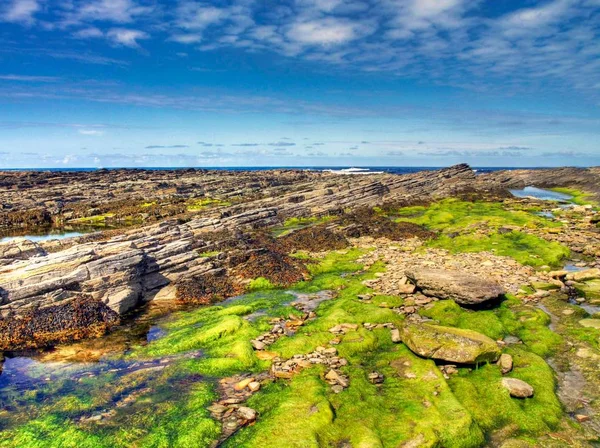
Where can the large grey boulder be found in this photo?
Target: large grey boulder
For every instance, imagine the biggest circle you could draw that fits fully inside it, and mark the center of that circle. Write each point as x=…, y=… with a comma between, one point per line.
x=463, y=288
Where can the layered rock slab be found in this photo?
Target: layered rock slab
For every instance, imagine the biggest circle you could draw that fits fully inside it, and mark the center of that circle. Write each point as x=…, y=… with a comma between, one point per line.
x=463, y=288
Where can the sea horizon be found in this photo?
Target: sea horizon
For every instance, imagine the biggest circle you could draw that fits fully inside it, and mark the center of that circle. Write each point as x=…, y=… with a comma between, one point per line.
x=364, y=169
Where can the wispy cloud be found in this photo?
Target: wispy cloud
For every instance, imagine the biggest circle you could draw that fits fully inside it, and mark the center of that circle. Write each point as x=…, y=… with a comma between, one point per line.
x=166, y=147
x=91, y=132
x=522, y=44
x=28, y=78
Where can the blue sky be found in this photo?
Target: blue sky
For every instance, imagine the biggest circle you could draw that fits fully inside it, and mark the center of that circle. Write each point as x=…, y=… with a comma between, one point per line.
x=105, y=83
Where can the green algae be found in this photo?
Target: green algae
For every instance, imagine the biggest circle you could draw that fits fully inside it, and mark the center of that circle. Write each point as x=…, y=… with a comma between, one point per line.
x=527, y=249
x=260, y=284
x=203, y=204
x=511, y=318
x=482, y=395
x=297, y=223
x=578, y=197
x=413, y=405
x=450, y=215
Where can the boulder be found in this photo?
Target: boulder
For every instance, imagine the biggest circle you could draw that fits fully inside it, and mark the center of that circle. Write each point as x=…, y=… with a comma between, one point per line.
x=517, y=388
x=463, y=288
x=454, y=345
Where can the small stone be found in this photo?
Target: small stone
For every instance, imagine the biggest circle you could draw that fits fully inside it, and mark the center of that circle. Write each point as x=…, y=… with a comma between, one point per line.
x=505, y=363
x=332, y=375
x=337, y=388
x=396, y=336
x=581, y=418
x=517, y=388
x=568, y=312
x=407, y=288
x=246, y=413
x=243, y=384
x=254, y=386
x=258, y=345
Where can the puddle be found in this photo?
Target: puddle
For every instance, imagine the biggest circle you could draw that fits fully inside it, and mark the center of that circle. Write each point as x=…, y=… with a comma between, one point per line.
x=539, y=193
x=40, y=238
x=571, y=267
x=155, y=333
x=546, y=214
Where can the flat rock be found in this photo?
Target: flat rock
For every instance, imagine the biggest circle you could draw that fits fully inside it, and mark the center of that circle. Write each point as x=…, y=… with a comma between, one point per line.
x=463, y=288
x=586, y=275
x=454, y=345
x=590, y=323
x=517, y=388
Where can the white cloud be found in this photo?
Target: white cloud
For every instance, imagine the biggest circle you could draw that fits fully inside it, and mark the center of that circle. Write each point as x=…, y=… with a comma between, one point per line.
x=195, y=16
x=88, y=33
x=118, y=11
x=91, y=132
x=21, y=11
x=190, y=38
x=326, y=31
x=127, y=37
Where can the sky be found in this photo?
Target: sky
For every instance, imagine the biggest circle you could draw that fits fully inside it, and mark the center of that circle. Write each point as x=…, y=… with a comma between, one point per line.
x=169, y=83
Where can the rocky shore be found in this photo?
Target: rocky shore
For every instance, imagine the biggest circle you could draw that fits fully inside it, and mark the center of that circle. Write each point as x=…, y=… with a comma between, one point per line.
x=135, y=266
x=438, y=277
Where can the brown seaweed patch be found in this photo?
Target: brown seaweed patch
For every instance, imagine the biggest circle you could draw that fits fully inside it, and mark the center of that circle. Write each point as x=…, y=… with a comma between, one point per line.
x=207, y=288
x=367, y=222
x=277, y=267
x=314, y=239
x=80, y=318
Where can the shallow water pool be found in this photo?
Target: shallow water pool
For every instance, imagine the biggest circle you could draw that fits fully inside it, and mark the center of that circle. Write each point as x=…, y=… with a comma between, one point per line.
x=542, y=194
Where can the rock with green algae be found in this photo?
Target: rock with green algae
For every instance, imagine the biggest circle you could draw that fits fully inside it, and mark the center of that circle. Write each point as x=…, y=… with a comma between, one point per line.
x=590, y=323
x=589, y=289
x=449, y=344
x=585, y=275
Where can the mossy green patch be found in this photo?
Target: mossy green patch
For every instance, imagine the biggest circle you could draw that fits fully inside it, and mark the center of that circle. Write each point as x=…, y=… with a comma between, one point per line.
x=259, y=284
x=209, y=254
x=512, y=317
x=450, y=215
x=525, y=248
x=481, y=393
x=297, y=223
x=578, y=197
x=202, y=204
x=413, y=405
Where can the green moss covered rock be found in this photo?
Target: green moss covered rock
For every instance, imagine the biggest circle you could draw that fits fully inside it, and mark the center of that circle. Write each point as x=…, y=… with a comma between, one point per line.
x=449, y=344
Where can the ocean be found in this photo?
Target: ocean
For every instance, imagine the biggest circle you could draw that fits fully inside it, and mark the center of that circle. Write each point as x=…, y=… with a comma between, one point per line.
x=335, y=169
